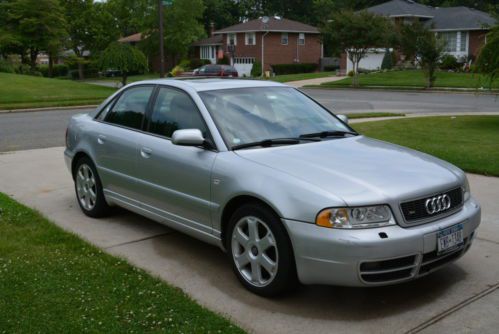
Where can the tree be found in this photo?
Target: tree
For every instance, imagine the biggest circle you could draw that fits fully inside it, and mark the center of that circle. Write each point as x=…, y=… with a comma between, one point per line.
x=89, y=29
x=124, y=58
x=418, y=42
x=355, y=34
x=222, y=13
x=131, y=16
x=182, y=25
x=488, y=59
x=33, y=26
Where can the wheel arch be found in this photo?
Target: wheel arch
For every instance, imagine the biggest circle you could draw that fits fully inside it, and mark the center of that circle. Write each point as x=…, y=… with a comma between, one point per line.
x=79, y=155
x=232, y=205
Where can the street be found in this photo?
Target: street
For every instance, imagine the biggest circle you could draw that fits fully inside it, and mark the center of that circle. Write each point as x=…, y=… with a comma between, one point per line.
x=29, y=130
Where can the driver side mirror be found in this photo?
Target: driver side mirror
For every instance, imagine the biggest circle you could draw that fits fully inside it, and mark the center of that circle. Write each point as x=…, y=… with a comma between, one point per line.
x=344, y=118
x=188, y=137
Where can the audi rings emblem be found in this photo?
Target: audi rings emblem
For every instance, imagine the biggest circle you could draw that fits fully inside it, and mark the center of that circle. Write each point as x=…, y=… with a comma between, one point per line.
x=437, y=204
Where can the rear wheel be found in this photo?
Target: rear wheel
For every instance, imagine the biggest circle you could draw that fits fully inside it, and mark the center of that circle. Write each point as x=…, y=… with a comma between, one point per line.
x=260, y=250
x=88, y=189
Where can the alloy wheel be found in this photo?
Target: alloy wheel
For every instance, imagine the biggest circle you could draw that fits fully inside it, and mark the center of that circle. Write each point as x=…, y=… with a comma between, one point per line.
x=254, y=251
x=86, y=187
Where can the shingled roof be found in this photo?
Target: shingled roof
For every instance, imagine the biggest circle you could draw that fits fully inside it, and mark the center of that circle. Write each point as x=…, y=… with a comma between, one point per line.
x=438, y=18
x=213, y=40
x=274, y=24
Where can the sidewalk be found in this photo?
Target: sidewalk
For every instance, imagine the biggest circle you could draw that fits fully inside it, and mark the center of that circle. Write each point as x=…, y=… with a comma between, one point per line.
x=318, y=81
x=463, y=297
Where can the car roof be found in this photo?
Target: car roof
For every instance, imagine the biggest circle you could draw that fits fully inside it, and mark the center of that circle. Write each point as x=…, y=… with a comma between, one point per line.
x=201, y=85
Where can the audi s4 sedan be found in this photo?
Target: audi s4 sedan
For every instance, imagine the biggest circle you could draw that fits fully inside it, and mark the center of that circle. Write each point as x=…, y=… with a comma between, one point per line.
x=287, y=188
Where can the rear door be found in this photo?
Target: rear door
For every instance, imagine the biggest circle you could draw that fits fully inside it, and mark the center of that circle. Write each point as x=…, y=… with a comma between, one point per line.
x=175, y=180
x=117, y=141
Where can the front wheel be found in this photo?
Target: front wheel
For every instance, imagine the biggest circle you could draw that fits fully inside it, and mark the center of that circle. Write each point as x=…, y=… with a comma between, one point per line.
x=260, y=250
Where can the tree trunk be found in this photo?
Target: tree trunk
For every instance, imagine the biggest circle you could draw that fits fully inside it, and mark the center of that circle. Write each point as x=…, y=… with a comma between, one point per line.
x=51, y=65
x=124, y=79
x=33, y=55
x=81, y=73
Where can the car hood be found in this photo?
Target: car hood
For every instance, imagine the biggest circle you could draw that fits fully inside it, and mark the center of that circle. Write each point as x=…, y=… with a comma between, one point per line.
x=361, y=170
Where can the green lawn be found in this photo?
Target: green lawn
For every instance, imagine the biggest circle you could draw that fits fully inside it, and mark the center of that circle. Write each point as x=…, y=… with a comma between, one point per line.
x=373, y=115
x=23, y=91
x=130, y=79
x=302, y=76
x=469, y=142
x=53, y=282
x=415, y=79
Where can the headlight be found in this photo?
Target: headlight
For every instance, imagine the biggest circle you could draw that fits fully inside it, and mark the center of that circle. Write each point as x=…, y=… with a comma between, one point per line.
x=358, y=217
x=466, y=190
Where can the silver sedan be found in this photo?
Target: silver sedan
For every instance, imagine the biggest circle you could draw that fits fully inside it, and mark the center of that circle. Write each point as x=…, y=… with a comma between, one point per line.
x=287, y=188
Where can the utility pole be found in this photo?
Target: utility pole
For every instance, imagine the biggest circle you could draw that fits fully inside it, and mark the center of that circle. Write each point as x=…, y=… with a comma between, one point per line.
x=161, y=41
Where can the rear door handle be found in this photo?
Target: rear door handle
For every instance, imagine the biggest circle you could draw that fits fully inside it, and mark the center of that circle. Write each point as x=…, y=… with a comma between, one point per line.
x=145, y=152
x=101, y=139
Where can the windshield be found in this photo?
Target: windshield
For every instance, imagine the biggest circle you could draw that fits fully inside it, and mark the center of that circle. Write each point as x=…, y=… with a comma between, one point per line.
x=247, y=115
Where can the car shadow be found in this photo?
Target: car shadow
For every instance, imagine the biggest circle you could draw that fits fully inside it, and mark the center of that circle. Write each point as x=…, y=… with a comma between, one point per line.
x=313, y=302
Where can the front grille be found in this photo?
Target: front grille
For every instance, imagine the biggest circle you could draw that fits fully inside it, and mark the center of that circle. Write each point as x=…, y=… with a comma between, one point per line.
x=416, y=210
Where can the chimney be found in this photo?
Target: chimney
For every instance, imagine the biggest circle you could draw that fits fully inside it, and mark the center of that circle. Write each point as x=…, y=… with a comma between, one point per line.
x=212, y=28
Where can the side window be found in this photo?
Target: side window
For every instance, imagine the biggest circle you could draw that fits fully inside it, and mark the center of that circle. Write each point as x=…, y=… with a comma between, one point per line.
x=175, y=110
x=131, y=107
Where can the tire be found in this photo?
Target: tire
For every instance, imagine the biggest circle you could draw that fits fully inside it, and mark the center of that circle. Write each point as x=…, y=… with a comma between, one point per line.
x=88, y=189
x=260, y=251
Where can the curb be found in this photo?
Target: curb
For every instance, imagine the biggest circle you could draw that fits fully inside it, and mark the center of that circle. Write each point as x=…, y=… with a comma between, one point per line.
x=421, y=115
x=405, y=90
x=11, y=111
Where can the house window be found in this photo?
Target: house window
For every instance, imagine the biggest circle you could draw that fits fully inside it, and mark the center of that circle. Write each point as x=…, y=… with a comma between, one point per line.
x=301, y=39
x=284, y=38
x=231, y=39
x=249, y=38
x=450, y=40
x=464, y=41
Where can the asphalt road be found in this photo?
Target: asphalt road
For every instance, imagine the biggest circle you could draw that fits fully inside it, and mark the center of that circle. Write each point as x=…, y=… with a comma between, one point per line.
x=359, y=101
x=31, y=130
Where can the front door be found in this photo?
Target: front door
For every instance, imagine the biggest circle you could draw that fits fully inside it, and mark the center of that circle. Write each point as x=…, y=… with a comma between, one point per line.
x=174, y=181
x=116, y=142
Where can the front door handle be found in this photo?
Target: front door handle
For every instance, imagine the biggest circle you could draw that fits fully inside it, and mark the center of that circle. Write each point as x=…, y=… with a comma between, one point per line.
x=101, y=139
x=145, y=152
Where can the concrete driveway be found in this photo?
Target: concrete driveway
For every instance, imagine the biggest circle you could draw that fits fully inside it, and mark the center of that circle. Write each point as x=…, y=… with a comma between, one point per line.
x=462, y=298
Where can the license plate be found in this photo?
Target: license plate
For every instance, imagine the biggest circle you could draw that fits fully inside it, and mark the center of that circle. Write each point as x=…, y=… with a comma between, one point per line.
x=450, y=239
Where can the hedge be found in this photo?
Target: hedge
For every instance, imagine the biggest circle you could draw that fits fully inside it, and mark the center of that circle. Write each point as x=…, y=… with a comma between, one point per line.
x=294, y=68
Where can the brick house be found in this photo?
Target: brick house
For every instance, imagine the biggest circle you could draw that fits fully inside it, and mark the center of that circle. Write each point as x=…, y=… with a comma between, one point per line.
x=462, y=28
x=270, y=41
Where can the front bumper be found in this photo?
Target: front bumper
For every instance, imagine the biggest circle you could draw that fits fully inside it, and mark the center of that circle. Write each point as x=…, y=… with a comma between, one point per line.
x=364, y=258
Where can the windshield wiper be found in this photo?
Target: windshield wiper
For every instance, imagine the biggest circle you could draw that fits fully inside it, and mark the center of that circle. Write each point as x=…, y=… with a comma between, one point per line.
x=272, y=142
x=325, y=134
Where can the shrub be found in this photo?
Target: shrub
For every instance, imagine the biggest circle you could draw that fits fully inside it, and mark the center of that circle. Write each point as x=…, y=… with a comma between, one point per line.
x=224, y=61
x=6, y=66
x=59, y=70
x=185, y=64
x=256, y=70
x=294, y=68
x=449, y=62
x=350, y=73
x=177, y=70
x=331, y=68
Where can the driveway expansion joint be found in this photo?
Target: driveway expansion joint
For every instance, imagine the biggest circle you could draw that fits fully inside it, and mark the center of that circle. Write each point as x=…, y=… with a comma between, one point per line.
x=487, y=240
x=139, y=240
x=490, y=289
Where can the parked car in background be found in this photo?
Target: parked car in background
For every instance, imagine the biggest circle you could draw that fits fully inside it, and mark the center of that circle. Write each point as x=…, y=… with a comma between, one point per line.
x=285, y=186
x=216, y=71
